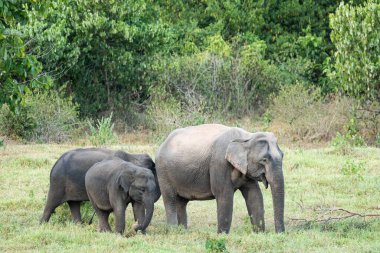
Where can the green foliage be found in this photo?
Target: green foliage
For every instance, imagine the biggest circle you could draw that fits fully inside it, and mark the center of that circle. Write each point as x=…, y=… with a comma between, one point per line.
x=104, y=51
x=343, y=143
x=45, y=117
x=267, y=118
x=20, y=71
x=115, y=48
x=16, y=125
x=216, y=245
x=55, y=116
x=101, y=134
x=353, y=168
x=237, y=85
x=352, y=133
x=2, y=143
x=356, y=36
x=167, y=64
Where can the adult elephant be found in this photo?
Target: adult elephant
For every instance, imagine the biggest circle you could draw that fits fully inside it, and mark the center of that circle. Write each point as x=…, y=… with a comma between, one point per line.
x=213, y=161
x=67, y=179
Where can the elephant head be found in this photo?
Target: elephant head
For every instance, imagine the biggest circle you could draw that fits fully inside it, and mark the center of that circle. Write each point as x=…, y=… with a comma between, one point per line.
x=141, y=187
x=260, y=158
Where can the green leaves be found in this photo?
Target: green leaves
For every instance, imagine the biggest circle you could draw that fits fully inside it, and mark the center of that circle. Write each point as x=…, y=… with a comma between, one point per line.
x=102, y=48
x=356, y=36
x=102, y=134
x=20, y=71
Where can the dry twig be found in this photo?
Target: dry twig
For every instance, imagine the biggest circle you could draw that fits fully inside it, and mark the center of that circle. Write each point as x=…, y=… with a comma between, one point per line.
x=349, y=215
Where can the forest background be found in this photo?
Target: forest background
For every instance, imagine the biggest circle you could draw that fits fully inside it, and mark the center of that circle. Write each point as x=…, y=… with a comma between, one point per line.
x=307, y=70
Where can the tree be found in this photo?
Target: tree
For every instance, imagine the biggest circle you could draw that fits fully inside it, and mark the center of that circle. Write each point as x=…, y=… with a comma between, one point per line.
x=102, y=50
x=20, y=71
x=356, y=36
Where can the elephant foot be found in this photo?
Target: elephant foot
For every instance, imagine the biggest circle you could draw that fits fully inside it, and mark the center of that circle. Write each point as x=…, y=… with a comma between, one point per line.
x=136, y=227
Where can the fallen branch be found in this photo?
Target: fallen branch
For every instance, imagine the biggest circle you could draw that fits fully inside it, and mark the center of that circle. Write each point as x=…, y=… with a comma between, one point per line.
x=350, y=214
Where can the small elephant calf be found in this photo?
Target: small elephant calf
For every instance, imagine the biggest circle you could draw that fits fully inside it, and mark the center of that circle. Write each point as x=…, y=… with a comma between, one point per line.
x=114, y=183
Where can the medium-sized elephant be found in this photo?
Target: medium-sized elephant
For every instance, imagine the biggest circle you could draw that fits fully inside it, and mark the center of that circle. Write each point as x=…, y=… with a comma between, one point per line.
x=213, y=161
x=67, y=178
x=112, y=184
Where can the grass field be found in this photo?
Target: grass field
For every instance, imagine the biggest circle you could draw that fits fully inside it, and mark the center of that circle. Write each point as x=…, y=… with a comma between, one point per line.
x=317, y=181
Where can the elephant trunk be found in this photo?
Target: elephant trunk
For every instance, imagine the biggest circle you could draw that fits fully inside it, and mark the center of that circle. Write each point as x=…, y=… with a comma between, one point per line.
x=278, y=194
x=149, y=208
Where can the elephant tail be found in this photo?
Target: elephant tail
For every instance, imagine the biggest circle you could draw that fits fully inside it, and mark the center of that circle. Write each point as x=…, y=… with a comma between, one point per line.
x=90, y=222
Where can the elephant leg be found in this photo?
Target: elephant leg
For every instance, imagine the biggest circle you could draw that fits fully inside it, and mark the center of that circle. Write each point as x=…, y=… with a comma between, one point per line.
x=224, y=203
x=104, y=226
x=75, y=211
x=53, y=201
x=119, y=213
x=170, y=199
x=181, y=211
x=255, y=205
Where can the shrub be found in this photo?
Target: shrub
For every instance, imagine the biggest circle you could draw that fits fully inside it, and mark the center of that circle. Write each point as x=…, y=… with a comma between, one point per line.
x=305, y=115
x=55, y=116
x=166, y=113
x=234, y=84
x=216, y=245
x=341, y=144
x=101, y=134
x=353, y=168
x=350, y=137
x=16, y=125
x=368, y=122
x=45, y=117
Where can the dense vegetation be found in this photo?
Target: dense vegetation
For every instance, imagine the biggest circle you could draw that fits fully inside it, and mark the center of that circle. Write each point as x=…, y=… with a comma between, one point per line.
x=164, y=64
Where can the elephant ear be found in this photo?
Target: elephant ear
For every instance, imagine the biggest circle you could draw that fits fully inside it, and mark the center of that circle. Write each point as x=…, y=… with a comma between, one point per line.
x=125, y=181
x=236, y=154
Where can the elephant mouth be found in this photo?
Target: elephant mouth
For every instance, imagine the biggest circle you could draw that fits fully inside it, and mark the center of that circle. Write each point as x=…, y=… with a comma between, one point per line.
x=263, y=179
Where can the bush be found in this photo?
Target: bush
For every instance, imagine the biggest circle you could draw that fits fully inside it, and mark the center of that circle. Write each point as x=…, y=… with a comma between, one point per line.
x=16, y=125
x=216, y=245
x=305, y=115
x=56, y=117
x=236, y=83
x=353, y=168
x=101, y=134
x=45, y=117
x=166, y=113
x=368, y=122
x=341, y=144
x=349, y=138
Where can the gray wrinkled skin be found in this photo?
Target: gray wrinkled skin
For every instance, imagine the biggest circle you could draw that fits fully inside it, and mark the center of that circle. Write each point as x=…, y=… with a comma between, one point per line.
x=68, y=174
x=112, y=184
x=212, y=162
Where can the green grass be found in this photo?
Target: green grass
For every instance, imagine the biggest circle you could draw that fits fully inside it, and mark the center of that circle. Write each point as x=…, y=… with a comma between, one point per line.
x=315, y=183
